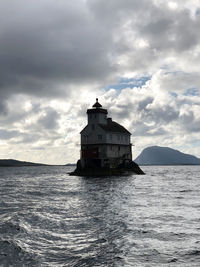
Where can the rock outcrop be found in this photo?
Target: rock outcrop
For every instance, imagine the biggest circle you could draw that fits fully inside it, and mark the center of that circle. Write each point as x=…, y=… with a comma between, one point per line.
x=126, y=168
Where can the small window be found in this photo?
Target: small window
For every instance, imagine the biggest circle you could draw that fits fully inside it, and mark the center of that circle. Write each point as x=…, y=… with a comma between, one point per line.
x=99, y=136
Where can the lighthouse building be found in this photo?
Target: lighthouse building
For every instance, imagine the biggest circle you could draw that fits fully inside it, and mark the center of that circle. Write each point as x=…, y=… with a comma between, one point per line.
x=104, y=142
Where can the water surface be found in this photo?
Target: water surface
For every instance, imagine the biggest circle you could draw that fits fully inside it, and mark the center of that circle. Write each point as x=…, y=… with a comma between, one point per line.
x=48, y=218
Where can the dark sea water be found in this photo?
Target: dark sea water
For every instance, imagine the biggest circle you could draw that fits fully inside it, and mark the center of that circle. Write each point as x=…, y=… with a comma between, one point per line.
x=48, y=218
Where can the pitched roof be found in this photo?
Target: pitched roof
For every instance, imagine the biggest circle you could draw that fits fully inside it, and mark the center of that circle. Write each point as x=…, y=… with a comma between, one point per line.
x=97, y=104
x=113, y=126
x=84, y=129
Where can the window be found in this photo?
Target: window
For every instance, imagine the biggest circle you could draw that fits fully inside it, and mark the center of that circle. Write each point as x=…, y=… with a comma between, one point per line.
x=99, y=136
x=110, y=136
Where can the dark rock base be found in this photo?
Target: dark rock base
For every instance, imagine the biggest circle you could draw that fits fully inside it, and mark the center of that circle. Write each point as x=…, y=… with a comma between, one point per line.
x=122, y=169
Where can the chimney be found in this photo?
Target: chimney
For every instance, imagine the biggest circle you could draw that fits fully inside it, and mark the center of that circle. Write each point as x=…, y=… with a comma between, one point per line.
x=109, y=120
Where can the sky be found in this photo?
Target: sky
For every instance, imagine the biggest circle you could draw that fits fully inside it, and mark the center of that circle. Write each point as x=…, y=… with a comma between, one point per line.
x=141, y=58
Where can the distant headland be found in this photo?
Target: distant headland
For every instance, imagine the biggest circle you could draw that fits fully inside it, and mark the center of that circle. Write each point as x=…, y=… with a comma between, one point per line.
x=156, y=155
x=18, y=163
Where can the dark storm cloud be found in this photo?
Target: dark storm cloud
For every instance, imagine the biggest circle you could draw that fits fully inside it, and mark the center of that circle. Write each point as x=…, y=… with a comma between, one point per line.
x=169, y=30
x=46, y=44
x=189, y=122
x=131, y=106
x=142, y=104
x=3, y=108
x=161, y=114
x=114, y=12
x=16, y=112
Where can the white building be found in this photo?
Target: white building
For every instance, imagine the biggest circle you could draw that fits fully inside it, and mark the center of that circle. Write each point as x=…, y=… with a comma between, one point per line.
x=104, y=143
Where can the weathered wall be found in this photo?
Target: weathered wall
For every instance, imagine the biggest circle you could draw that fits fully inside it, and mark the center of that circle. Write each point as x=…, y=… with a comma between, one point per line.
x=116, y=151
x=93, y=134
x=118, y=138
x=97, y=118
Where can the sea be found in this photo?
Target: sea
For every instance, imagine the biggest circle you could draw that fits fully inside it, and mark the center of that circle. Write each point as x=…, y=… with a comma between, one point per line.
x=48, y=218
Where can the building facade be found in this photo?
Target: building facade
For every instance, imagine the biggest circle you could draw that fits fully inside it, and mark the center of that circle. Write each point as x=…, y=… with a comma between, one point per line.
x=104, y=143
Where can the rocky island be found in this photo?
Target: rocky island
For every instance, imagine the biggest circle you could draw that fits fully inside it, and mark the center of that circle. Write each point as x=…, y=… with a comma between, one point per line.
x=106, y=148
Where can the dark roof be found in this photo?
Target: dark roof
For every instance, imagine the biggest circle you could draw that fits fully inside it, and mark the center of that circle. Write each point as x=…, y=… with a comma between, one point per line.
x=97, y=110
x=97, y=104
x=84, y=128
x=113, y=126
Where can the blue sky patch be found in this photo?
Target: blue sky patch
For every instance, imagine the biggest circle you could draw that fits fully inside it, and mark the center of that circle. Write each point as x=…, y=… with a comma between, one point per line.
x=125, y=82
x=192, y=92
x=198, y=11
x=173, y=94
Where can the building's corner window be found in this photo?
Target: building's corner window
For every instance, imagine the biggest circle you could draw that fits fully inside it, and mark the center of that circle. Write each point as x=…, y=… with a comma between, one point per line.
x=99, y=136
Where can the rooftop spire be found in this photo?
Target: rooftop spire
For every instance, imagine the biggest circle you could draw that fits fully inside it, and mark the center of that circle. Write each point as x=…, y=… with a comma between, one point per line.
x=97, y=104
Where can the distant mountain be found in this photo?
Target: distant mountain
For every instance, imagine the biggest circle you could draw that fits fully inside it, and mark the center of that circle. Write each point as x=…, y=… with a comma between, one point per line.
x=156, y=155
x=17, y=163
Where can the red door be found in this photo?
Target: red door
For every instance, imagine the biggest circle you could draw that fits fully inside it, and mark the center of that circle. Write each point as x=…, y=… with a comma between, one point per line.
x=90, y=153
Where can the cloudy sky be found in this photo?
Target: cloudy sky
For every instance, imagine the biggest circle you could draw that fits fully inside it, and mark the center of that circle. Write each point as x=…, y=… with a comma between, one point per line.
x=141, y=58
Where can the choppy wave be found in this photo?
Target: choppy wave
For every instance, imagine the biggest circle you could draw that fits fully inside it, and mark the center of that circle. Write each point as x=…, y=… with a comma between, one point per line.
x=50, y=219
